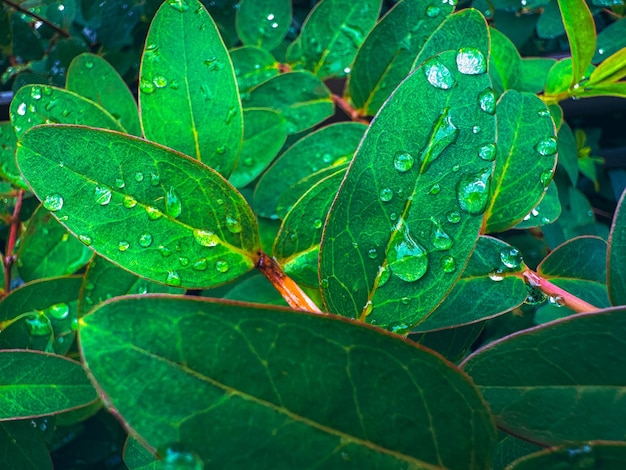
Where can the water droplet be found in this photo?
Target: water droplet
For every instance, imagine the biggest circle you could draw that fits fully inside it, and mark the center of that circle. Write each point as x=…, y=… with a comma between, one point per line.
x=175, y=457
x=405, y=300
x=471, y=61
x=403, y=161
x=233, y=225
x=435, y=189
x=546, y=177
x=511, y=258
x=153, y=213
x=487, y=101
x=173, y=205
x=59, y=311
x=183, y=261
x=407, y=259
x=53, y=202
x=372, y=253
x=205, y=237
x=232, y=112
x=448, y=264
x=476, y=129
x=21, y=109
x=35, y=93
x=213, y=64
x=556, y=301
x=383, y=276
x=145, y=240
x=444, y=134
x=543, y=113
x=496, y=275
x=386, y=194
x=165, y=251
x=154, y=179
x=146, y=86
x=433, y=11
x=546, y=147
x=535, y=296
x=159, y=81
x=393, y=216
x=89, y=64
x=324, y=283
x=129, y=202
x=123, y=245
x=473, y=192
x=456, y=168
x=74, y=321
x=119, y=183
x=454, y=217
x=438, y=75
x=102, y=195
x=438, y=237
x=179, y=5
x=39, y=325
x=85, y=239
x=221, y=266
x=139, y=177
x=487, y=152
x=201, y=265
x=173, y=279
x=317, y=223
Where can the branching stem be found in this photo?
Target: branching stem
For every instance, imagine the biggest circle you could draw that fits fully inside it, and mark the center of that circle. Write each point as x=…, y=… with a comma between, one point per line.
x=562, y=297
x=347, y=108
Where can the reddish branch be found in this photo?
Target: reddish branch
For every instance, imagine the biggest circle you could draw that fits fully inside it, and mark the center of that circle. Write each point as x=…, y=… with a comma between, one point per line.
x=15, y=223
x=347, y=108
x=561, y=296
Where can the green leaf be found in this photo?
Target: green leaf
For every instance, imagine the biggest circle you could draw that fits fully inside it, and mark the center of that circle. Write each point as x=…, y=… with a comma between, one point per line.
x=612, y=69
x=509, y=449
x=533, y=73
x=389, y=251
x=606, y=89
x=255, y=289
x=23, y=447
x=188, y=96
x=137, y=457
x=568, y=382
x=546, y=212
x=486, y=288
x=581, y=32
x=451, y=343
x=47, y=250
x=387, y=54
x=34, y=384
x=94, y=78
x=265, y=132
x=149, y=209
x=263, y=23
x=568, y=153
x=301, y=97
x=37, y=104
x=104, y=280
x=505, y=63
x=550, y=24
x=252, y=66
x=40, y=315
x=605, y=455
x=560, y=77
x=214, y=393
x=331, y=35
x=297, y=244
x=329, y=146
x=8, y=144
x=616, y=269
x=525, y=161
x=610, y=40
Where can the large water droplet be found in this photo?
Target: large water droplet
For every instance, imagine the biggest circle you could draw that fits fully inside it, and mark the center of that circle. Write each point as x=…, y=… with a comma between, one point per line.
x=471, y=61
x=403, y=161
x=448, y=264
x=53, y=202
x=444, y=134
x=205, y=237
x=233, y=225
x=546, y=147
x=102, y=195
x=179, y=5
x=496, y=275
x=59, y=311
x=176, y=458
x=129, y=202
x=407, y=259
x=173, y=279
x=487, y=152
x=487, y=101
x=173, y=205
x=21, y=109
x=221, y=266
x=473, y=192
x=433, y=11
x=386, y=194
x=535, y=296
x=438, y=75
x=438, y=237
x=511, y=258
x=145, y=240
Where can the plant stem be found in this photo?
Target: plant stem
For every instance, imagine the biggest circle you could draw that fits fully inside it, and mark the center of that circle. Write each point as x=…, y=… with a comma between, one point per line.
x=347, y=108
x=8, y=259
x=37, y=17
x=291, y=292
x=563, y=297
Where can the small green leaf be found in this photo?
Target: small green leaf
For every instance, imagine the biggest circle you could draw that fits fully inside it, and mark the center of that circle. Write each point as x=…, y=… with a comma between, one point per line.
x=145, y=207
x=212, y=394
x=263, y=23
x=47, y=250
x=581, y=32
x=331, y=35
x=616, y=270
x=265, y=132
x=387, y=54
x=23, y=446
x=605, y=455
x=252, y=66
x=8, y=144
x=612, y=69
x=94, y=78
x=505, y=63
x=33, y=384
x=568, y=153
x=388, y=246
x=561, y=371
x=610, y=40
x=137, y=457
x=511, y=448
x=526, y=150
x=546, y=212
x=41, y=104
x=188, y=94
x=617, y=89
x=301, y=97
x=533, y=73
x=327, y=147
x=560, y=77
x=451, y=343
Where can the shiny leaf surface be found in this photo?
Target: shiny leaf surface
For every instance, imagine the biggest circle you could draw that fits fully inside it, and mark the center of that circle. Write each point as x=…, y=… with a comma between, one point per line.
x=616, y=270
x=263, y=23
x=581, y=32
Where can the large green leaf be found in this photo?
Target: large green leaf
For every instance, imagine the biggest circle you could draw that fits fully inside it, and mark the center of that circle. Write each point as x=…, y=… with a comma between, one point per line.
x=147, y=208
x=387, y=54
x=604, y=455
x=94, y=78
x=8, y=144
x=534, y=72
x=23, y=446
x=137, y=457
x=560, y=382
x=34, y=383
x=581, y=32
x=294, y=390
x=505, y=63
x=252, y=67
x=616, y=270
x=263, y=23
x=525, y=159
x=610, y=40
x=187, y=89
x=391, y=247
x=36, y=104
x=331, y=35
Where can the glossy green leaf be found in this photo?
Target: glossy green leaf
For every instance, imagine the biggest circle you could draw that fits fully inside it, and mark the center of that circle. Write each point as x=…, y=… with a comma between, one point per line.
x=546, y=212
x=331, y=35
x=568, y=152
x=559, y=382
x=33, y=384
x=265, y=132
x=263, y=23
x=388, y=247
x=94, y=78
x=104, y=280
x=8, y=144
x=301, y=97
x=137, y=457
x=486, y=288
x=215, y=393
x=188, y=96
x=47, y=250
x=297, y=244
x=525, y=153
x=464, y=29
x=550, y=24
x=610, y=40
x=509, y=449
x=612, y=69
x=534, y=72
x=256, y=289
x=37, y=104
x=560, y=77
x=505, y=63
x=387, y=54
x=23, y=446
x=451, y=343
x=616, y=270
x=40, y=315
x=252, y=66
x=617, y=89
x=581, y=32
x=604, y=455
x=329, y=146
x=147, y=208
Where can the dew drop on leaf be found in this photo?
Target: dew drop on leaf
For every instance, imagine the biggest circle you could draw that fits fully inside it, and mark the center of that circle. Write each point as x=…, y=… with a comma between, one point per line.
x=21, y=109
x=403, y=161
x=205, y=237
x=470, y=61
x=119, y=183
x=129, y=202
x=173, y=204
x=159, y=81
x=39, y=325
x=153, y=213
x=179, y=5
x=89, y=64
x=145, y=240
x=383, y=275
x=448, y=264
x=405, y=300
x=85, y=239
x=496, y=275
x=372, y=253
x=139, y=177
x=454, y=217
x=317, y=223
x=438, y=75
x=165, y=251
x=511, y=258
x=324, y=283
x=546, y=147
x=444, y=134
x=146, y=86
x=543, y=113
x=175, y=458
x=183, y=261
x=487, y=152
x=59, y=311
x=435, y=189
x=200, y=265
x=123, y=245
x=438, y=237
x=53, y=202
x=221, y=266
x=546, y=177
x=476, y=129
x=535, y=296
x=407, y=258
x=433, y=11
x=386, y=195
x=487, y=101
x=173, y=279
x=233, y=225
x=473, y=192
x=154, y=179
x=35, y=93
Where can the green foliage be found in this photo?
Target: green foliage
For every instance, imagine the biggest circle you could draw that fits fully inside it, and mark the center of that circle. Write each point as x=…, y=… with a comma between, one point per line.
x=376, y=290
